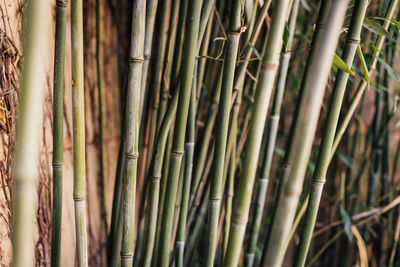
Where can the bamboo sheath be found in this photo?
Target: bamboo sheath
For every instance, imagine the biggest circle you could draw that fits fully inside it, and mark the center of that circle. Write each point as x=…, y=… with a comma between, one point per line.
x=304, y=130
x=132, y=132
x=58, y=121
x=319, y=177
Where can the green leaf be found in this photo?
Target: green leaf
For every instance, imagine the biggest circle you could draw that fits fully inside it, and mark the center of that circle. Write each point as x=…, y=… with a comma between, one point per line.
x=339, y=63
x=250, y=101
x=346, y=160
x=258, y=55
x=346, y=223
x=375, y=27
x=364, y=66
x=286, y=34
x=389, y=69
x=395, y=22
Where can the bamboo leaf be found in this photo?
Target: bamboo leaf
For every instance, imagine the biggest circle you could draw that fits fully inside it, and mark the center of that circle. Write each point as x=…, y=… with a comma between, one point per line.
x=286, y=35
x=339, y=63
x=346, y=160
x=346, y=223
x=258, y=55
x=393, y=21
x=389, y=69
x=364, y=66
x=375, y=27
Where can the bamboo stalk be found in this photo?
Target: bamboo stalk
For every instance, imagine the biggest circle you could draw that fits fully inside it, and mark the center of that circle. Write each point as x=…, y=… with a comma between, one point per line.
x=241, y=203
x=189, y=154
x=78, y=131
x=216, y=187
x=156, y=117
x=58, y=121
x=132, y=131
x=363, y=84
x=188, y=62
x=271, y=138
x=303, y=133
x=319, y=176
x=28, y=131
x=154, y=187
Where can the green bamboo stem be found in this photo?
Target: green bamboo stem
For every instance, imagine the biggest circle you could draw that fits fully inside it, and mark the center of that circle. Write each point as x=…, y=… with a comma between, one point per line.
x=132, y=132
x=204, y=144
x=28, y=131
x=339, y=88
x=271, y=138
x=199, y=225
x=115, y=234
x=156, y=118
x=154, y=186
x=189, y=154
x=202, y=186
x=303, y=133
x=216, y=188
x=58, y=121
x=363, y=84
x=163, y=189
x=202, y=61
x=78, y=131
x=241, y=204
x=166, y=84
x=229, y=192
x=188, y=63
x=151, y=8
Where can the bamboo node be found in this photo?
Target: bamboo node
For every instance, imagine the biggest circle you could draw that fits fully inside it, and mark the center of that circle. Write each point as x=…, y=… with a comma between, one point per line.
x=61, y=3
x=263, y=180
x=214, y=200
x=146, y=57
x=79, y=197
x=126, y=256
x=189, y=144
x=136, y=59
x=177, y=154
x=275, y=117
x=57, y=165
x=320, y=26
x=352, y=41
x=269, y=66
x=135, y=155
x=155, y=178
x=239, y=221
x=318, y=182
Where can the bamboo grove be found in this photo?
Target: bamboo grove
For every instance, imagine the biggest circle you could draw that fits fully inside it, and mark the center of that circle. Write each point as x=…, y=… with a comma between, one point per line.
x=254, y=133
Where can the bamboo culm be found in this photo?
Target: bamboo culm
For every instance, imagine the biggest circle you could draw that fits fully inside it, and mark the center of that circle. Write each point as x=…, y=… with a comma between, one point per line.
x=241, y=205
x=363, y=84
x=216, y=189
x=78, y=131
x=188, y=62
x=303, y=132
x=339, y=88
x=58, y=121
x=271, y=138
x=28, y=131
x=132, y=132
